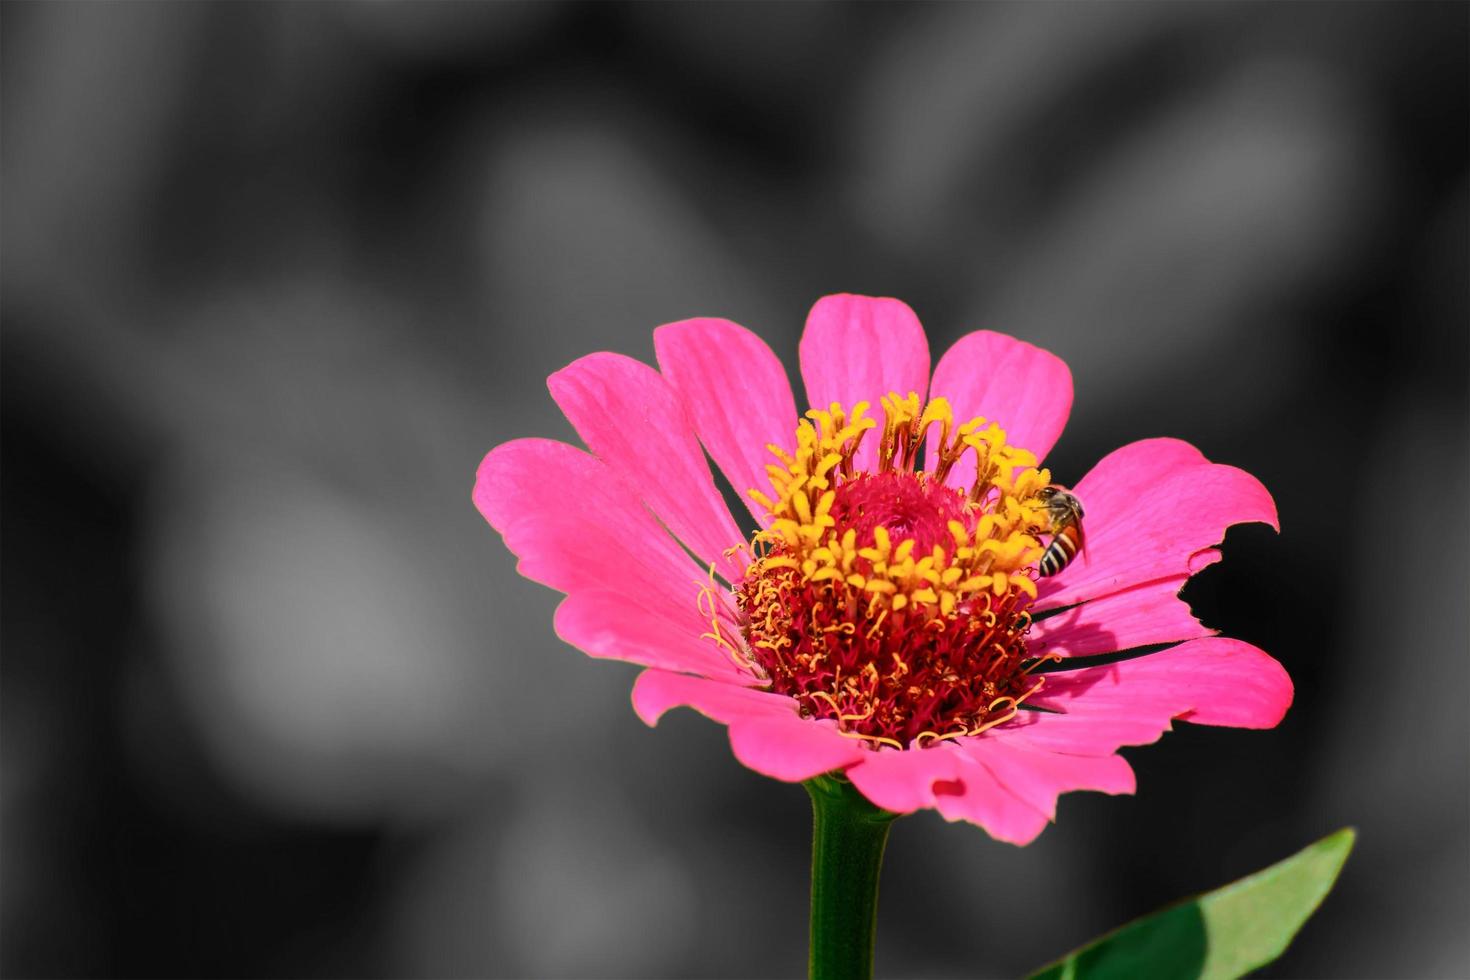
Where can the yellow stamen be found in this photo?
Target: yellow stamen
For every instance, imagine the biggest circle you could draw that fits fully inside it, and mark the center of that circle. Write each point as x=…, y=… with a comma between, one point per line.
x=821, y=598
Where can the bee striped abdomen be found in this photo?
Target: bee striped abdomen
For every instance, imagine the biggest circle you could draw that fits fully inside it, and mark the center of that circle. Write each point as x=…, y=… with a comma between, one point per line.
x=1061, y=551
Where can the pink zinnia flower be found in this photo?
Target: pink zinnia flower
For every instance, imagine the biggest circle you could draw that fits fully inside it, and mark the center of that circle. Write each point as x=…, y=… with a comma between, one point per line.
x=889, y=621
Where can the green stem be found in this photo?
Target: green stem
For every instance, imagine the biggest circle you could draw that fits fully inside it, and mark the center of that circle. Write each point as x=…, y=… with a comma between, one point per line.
x=848, y=836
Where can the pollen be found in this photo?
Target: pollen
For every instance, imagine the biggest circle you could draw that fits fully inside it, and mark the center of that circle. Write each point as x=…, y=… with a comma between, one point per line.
x=887, y=599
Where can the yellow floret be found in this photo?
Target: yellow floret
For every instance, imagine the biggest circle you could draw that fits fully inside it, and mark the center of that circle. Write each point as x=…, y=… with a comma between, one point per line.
x=995, y=556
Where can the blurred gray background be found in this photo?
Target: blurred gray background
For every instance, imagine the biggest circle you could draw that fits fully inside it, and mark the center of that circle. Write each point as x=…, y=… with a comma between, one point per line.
x=275, y=277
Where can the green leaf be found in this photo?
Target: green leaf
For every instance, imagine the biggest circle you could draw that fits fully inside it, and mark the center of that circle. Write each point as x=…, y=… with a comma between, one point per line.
x=1221, y=934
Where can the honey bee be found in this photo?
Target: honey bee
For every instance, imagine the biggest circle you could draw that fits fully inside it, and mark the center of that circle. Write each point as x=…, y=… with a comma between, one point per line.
x=1064, y=513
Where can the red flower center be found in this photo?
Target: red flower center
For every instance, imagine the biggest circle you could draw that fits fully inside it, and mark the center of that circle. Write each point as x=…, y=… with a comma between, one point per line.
x=909, y=506
x=889, y=601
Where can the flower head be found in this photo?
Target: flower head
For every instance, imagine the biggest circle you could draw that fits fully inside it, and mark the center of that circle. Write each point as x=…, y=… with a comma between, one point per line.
x=889, y=619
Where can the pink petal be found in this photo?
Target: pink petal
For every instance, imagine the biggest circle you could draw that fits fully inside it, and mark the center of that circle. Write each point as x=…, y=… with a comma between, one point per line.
x=736, y=392
x=576, y=527
x=1079, y=734
x=631, y=418
x=983, y=799
x=604, y=624
x=792, y=748
x=766, y=733
x=1025, y=390
x=1113, y=484
x=1134, y=617
x=1038, y=777
x=858, y=349
x=1210, y=681
x=1201, y=560
x=903, y=781
x=948, y=780
x=1151, y=507
x=656, y=691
